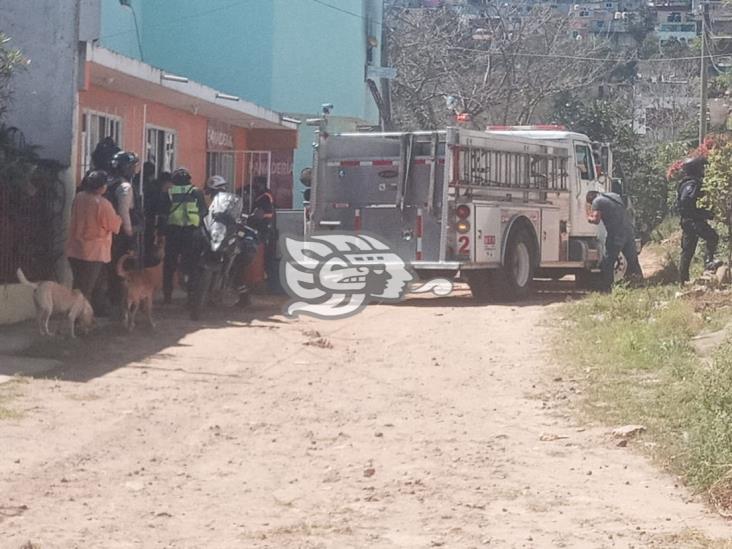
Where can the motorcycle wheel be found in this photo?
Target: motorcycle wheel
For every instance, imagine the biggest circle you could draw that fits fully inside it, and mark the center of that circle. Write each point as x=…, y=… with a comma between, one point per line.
x=199, y=295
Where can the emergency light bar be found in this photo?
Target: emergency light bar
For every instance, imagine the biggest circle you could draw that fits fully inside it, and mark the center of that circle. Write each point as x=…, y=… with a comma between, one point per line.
x=539, y=127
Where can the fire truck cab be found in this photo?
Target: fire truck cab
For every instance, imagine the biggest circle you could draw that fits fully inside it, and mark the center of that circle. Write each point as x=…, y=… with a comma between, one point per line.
x=497, y=208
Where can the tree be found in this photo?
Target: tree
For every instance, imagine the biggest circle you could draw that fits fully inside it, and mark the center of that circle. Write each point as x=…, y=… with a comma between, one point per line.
x=500, y=68
x=718, y=188
x=642, y=169
x=11, y=60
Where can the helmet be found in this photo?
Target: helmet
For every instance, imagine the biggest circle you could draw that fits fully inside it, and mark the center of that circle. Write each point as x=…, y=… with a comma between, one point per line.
x=216, y=183
x=123, y=160
x=181, y=176
x=693, y=165
x=95, y=180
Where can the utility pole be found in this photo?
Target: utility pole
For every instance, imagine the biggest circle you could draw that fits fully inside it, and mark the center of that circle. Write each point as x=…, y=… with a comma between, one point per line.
x=704, y=74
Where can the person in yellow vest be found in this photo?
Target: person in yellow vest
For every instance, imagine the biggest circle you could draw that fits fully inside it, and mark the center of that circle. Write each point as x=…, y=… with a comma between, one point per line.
x=187, y=207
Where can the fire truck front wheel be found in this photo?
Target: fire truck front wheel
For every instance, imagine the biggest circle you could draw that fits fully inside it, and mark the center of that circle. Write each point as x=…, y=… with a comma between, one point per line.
x=515, y=278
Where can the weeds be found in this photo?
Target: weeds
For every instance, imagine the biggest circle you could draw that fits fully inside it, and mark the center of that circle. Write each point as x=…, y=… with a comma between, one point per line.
x=634, y=350
x=8, y=392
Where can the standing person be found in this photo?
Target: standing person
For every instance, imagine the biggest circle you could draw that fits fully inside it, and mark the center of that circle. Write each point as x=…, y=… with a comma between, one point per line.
x=152, y=211
x=187, y=207
x=122, y=196
x=93, y=222
x=609, y=209
x=263, y=220
x=103, y=154
x=695, y=220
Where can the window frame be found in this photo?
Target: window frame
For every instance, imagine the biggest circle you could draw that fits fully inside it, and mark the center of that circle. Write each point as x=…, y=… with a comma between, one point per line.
x=173, y=163
x=87, y=147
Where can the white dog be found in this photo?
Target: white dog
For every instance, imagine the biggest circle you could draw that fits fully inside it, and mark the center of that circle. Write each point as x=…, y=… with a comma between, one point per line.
x=51, y=297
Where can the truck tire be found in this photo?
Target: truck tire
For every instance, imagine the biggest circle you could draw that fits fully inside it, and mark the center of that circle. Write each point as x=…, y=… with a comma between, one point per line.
x=514, y=280
x=587, y=280
x=479, y=282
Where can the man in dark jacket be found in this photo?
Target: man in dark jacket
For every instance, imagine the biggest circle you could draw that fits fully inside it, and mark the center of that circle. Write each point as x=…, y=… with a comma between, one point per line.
x=695, y=220
x=608, y=208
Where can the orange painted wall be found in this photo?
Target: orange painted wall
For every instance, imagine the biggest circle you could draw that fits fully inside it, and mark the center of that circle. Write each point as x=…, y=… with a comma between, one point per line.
x=190, y=129
x=191, y=132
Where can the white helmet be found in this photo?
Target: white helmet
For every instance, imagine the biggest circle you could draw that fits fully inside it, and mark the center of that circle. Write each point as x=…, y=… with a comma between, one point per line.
x=217, y=183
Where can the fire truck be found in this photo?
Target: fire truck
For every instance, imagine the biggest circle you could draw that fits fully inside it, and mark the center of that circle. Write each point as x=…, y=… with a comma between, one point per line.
x=498, y=208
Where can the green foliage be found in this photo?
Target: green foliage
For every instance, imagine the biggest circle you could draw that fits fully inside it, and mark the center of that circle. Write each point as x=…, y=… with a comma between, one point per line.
x=11, y=60
x=634, y=349
x=642, y=170
x=718, y=186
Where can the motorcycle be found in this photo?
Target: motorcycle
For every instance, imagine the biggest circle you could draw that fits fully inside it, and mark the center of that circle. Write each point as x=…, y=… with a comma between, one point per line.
x=225, y=246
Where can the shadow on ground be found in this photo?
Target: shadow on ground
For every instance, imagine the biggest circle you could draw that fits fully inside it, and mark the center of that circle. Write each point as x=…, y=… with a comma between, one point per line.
x=110, y=346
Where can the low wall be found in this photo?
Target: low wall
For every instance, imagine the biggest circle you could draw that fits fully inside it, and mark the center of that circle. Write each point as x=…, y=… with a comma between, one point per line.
x=16, y=303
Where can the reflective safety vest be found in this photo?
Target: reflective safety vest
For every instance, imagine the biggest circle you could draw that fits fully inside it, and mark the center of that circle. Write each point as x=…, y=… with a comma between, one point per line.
x=183, y=207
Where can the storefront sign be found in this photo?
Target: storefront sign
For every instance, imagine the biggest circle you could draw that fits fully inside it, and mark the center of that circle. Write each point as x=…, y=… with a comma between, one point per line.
x=218, y=139
x=280, y=176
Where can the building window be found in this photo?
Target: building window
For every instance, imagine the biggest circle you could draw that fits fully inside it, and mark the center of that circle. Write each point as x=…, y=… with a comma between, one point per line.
x=95, y=126
x=161, y=145
x=221, y=163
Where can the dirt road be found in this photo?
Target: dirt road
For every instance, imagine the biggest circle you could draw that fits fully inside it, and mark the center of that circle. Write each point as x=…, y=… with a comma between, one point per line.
x=410, y=426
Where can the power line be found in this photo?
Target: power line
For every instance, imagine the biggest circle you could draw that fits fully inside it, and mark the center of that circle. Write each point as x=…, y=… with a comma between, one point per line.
x=586, y=58
x=171, y=23
x=348, y=12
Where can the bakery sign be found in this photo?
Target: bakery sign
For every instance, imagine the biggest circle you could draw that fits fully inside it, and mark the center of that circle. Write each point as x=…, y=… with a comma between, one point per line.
x=218, y=138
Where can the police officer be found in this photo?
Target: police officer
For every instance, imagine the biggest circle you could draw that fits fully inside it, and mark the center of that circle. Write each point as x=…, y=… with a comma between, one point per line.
x=187, y=207
x=694, y=220
x=609, y=209
x=121, y=194
x=263, y=220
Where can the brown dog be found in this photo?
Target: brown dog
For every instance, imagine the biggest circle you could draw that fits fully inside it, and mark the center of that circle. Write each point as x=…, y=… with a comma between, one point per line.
x=51, y=297
x=141, y=287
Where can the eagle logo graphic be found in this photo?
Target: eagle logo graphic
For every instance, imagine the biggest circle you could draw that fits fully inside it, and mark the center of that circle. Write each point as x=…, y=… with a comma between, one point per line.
x=337, y=275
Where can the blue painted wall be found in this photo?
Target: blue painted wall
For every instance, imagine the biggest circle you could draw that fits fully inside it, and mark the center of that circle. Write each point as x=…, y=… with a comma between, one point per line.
x=118, y=27
x=288, y=55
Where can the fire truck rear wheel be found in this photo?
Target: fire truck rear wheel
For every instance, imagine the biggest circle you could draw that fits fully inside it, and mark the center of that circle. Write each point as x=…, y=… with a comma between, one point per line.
x=515, y=279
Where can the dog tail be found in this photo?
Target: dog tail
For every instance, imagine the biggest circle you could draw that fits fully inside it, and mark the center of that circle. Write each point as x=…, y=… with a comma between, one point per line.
x=121, y=265
x=23, y=280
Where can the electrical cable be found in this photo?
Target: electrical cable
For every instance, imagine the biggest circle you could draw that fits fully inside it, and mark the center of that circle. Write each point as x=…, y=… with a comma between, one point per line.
x=171, y=23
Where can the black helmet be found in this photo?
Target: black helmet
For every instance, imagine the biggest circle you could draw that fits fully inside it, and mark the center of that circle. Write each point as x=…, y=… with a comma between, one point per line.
x=103, y=153
x=181, y=176
x=95, y=180
x=693, y=165
x=123, y=160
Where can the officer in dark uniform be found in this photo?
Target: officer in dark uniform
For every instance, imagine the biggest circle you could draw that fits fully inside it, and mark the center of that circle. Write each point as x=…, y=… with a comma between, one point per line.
x=695, y=220
x=263, y=220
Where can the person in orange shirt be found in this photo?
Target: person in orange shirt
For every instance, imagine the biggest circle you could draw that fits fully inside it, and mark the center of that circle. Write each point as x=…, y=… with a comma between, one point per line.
x=93, y=222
